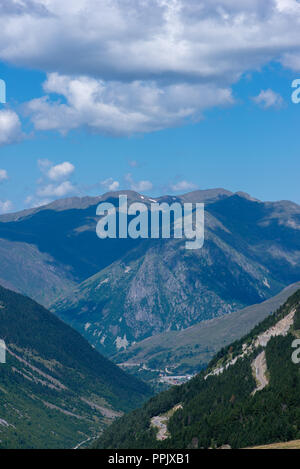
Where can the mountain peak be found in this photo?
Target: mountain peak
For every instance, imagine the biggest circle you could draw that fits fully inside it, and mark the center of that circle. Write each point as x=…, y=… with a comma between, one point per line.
x=247, y=196
x=206, y=195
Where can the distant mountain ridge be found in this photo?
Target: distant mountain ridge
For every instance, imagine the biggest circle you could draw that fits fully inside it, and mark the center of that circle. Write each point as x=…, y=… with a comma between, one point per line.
x=117, y=292
x=82, y=203
x=191, y=349
x=251, y=252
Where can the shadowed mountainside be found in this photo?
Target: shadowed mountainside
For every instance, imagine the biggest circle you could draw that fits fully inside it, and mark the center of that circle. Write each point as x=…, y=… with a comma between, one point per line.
x=55, y=390
x=119, y=291
x=189, y=350
x=251, y=252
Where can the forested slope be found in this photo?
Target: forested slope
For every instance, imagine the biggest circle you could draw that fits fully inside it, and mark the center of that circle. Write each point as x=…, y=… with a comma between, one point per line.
x=55, y=390
x=222, y=408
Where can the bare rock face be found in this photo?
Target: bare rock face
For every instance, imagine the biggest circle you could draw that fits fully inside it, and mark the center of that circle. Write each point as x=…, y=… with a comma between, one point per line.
x=159, y=286
x=120, y=291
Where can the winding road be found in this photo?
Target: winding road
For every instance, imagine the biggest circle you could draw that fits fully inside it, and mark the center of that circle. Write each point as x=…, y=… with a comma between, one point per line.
x=85, y=441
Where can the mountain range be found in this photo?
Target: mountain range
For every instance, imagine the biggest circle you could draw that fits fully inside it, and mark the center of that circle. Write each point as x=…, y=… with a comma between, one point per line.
x=149, y=303
x=251, y=252
x=119, y=292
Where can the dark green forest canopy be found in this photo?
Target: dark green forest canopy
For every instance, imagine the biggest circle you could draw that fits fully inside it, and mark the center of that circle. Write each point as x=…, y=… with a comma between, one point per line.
x=55, y=389
x=221, y=409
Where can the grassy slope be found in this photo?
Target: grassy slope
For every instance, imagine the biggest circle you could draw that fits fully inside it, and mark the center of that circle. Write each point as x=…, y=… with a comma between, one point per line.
x=25, y=269
x=50, y=369
x=192, y=348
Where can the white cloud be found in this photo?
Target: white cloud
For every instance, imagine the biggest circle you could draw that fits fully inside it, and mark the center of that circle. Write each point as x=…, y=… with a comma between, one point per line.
x=53, y=190
x=10, y=127
x=61, y=171
x=268, y=98
x=183, y=186
x=119, y=39
x=127, y=66
x=34, y=202
x=53, y=184
x=6, y=206
x=110, y=184
x=138, y=186
x=121, y=108
x=142, y=186
x=3, y=175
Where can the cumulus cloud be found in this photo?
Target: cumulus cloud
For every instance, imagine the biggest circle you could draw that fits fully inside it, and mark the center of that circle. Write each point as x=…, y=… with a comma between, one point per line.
x=142, y=186
x=3, y=175
x=125, y=66
x=53, y=190
x=17, y=7
x=110, y=184
x=121, y=108
x=268, y=98
x=34, y=202
x=10, y=127
x=116, y=39
x=183, y=186
x=138, y=186
x=53, y=183
x=5, y=206
x=61, y=171
x=55, y=172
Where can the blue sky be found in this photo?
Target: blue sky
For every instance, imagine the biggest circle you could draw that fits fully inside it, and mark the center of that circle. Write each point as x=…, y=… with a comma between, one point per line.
x=78, y=127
